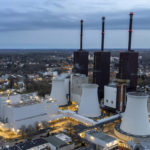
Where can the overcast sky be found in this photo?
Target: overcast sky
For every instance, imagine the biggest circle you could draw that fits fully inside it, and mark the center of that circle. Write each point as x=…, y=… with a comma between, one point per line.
x=55, y=23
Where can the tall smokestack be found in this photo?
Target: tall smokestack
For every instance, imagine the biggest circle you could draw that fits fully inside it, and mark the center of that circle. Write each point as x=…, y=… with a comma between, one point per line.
x=81, y=57
x=130, y=31
x=103, y=32
x=101, y=68
x=81, y=35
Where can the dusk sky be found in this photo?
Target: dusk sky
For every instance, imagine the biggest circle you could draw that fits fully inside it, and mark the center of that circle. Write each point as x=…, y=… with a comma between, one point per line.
x=56, y=23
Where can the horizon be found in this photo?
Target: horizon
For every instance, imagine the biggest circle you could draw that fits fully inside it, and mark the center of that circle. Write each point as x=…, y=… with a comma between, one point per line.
x=56, y=24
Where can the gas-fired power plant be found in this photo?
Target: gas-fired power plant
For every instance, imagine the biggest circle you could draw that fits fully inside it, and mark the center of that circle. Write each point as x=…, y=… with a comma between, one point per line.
x=128, y=65
x=101, y=70
x=101, y=115
x=89, y=105
x=81, y=57
x=58, y=92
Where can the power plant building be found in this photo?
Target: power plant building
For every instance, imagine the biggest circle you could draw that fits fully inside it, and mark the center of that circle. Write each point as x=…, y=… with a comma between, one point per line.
x=115, y=97
x=28, y=112
x=101, y=72
x=81, y=62
x=128, y=68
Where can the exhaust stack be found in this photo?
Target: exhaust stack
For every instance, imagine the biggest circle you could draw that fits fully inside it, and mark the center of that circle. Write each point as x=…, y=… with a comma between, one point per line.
x=101, y=68
x=130, y=31
x=128, y=65
x=103, y=33
x=81, y=35
x=80, y=56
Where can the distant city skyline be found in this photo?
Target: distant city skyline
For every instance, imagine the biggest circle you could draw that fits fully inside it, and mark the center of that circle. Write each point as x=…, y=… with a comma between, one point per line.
x=55, y=24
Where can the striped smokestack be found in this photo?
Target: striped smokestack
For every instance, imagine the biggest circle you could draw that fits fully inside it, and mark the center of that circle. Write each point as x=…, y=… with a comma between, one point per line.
x=81, y=35
x=80, y=56
x=103, y=32
x=130, y=31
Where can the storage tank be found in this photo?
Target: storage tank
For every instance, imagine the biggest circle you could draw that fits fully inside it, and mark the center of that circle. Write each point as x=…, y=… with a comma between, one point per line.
x=58, y=92
x=89, y=105
x=135, y=120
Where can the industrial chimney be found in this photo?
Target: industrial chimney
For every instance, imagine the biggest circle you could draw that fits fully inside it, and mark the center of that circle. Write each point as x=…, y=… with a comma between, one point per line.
x=89, y=105
x=128, y=65
x=135, y=120
x=101, y=71
x=81, y=57
x=58, y=92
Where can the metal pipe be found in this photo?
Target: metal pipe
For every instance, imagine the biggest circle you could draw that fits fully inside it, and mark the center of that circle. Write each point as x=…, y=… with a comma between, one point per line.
x=130, y=31
x=103, y=29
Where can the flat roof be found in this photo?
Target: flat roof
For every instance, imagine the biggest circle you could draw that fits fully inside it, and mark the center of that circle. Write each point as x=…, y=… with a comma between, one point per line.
x=12, y=148
x=55, y=141
x=27, y=145
x=102, y=136
x=138, y=94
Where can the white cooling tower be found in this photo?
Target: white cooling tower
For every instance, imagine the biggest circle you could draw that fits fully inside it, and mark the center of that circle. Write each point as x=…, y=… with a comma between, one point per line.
x=58, y=92
x=89, y=105
x=135, y=120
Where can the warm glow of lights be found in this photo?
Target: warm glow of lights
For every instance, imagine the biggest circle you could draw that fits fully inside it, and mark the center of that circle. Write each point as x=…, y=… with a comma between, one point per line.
x=8, y=101
x=39, y=124
x=8, y=91
x=92, y=138
x=1, y=92
x=20, y=101
x=37, y=98
x=13, y=129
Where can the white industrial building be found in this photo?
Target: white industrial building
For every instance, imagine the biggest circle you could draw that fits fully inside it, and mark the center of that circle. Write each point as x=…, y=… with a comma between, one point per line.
x=110, y=96
x=115, y=97
x=18, y=112
x=101, y=140
x=89, y=105
x=60, y=142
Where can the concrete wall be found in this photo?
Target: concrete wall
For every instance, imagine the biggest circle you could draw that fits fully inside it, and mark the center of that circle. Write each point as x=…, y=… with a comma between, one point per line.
x=110, y=96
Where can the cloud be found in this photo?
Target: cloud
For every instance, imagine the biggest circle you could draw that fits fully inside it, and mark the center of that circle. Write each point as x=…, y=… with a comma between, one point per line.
x=60, y=14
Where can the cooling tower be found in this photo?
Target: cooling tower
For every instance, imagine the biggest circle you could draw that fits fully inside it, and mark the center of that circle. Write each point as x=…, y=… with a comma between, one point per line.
x=58, y=92
x=135, y=120
x=89, y=105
